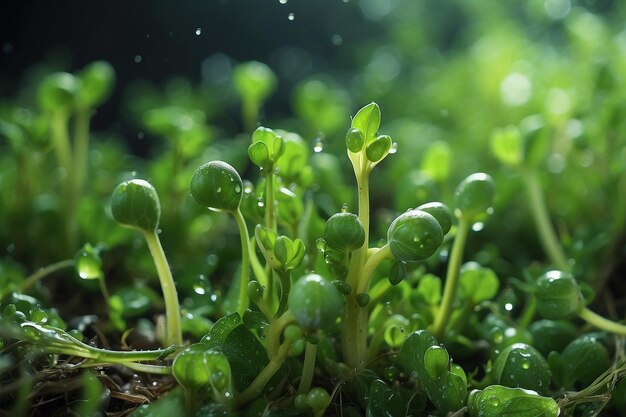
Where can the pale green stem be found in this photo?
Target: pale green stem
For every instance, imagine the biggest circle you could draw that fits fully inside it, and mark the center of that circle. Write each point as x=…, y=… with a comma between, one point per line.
x=81, y=149
x=370, y=266
x=257, y=386
x=275, y=330
x=173, y=331
x=43, y=272
x=139, y=367
x=308, y=368
x=104, y=289
x=354, y=343
x=452, y=277
x=547, y=236
x=257, y=268
x=250, y=113
x=528, y=314
x=270, y=212
x=242, y=304
x=601, y=322
x=61, y=141
x=285, y=287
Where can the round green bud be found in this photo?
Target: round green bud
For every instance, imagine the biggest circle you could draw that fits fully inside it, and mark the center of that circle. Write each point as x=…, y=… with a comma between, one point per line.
x=558, y=295
x=354, y=140
x=522, y=366
x=315, y=302
x=414, y=236
x=293, y=332
x=186, y=370
x=439, y=211
x=255, y=290
x=57, y=92
x=218, y=186
x=318, y=399
x=474, y=195
x=254, y=79
x=135, y=203
x=363, y=299
x=344, y=232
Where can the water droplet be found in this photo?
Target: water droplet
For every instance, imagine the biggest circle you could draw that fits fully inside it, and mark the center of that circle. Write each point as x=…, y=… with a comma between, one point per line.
x=291, y=16
x=133, y=173
x=201, y=285
x=219, y=190
x=214, y=297
x=247, y=187
x=497, y=336
x=344, y=207
x=336, y=39
x=198, y=31
x=11, y=248
x=260, y=202
x=318, y=145
x=394, y=148
x=508, y=306
x=237, y=188
x=282, y=1
x=525, y=364
x=320, y=244
x=138, y=59
x=140, y=135
x=478, y=226
x=495, y=401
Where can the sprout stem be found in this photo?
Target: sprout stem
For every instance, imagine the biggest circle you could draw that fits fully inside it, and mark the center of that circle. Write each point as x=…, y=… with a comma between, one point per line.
x=242, y=304
x=173, y=332
x=270, y=213
x=81, y=149
x=308, y=368
x=285, y=287
x=370, y=266
x=601, y=322
x=276, y=329
x=452, y=277
x=257, y=386
x=139, y=367
x=45, y=271
x=547, y=236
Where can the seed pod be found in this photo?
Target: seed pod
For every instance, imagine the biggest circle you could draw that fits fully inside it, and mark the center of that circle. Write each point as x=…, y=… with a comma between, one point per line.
x=474, y=195
x=135, y=203
x=414, y=236
x=315, y=302
x=439, y=211
x=344, y=232
x=217, y=186
x=558, y=295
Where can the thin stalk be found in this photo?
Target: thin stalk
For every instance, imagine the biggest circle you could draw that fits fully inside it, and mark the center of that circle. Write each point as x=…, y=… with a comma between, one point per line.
x=173, y=331
x=250, y=112
x=528, y=314
x=452, y=277
x=270, y=212
x=308, y=368
x=601, y=322
x=275, y=330
x=257, y=386
x=354, y=332
x=139, y=367
x=370, y=266
x=243, y=301
x=104, y=289
x=45, y=271
x=547, y=236
x=61, y=141
x=81, y=148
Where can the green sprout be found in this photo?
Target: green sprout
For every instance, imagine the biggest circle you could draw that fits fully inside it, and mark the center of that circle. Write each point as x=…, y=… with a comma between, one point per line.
x=135, y=204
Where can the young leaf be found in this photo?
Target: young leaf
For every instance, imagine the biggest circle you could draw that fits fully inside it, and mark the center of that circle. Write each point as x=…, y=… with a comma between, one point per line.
x=478, y=283
x=384, y=402
x=379, y=148
x=367, y=120
x=497, y=400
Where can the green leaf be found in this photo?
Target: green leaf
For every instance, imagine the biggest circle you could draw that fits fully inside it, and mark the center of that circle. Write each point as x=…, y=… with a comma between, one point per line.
x=478, y=283
x=254, y=80
x=506, y=145
x=522, y=366
x=367, y=120
x=497, y=401
x=354, y=140
x=474, y=195
x=378, y=148
x=283, y=250
x=429, y=289
x=245, y=353
x=266, y=239
x=447, y=390
x=437, y=161
x=581, y=362
x=294, y=158
x=97, y=80
x=384, y=402
x=436, y=361
x=259, y=155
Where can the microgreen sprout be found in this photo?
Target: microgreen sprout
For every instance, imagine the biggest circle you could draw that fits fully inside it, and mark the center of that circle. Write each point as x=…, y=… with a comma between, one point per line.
x=135, y=203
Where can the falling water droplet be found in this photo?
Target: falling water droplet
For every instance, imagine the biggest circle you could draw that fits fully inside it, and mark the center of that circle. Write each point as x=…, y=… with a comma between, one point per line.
x=138, y=59
x=318, y=145
x=291, y=16
x=198, y=31
x=282, y=1
x=201, y=285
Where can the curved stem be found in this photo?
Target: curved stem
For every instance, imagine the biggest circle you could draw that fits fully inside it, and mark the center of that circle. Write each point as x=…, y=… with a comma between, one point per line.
x=275, y=331
x=452, y=278
x=370, y=266
x=173, y=331
x=270, y=212
x=547, y=236
x=285, y=287
x=45, y=271
x=601, y=322
x=257, y=386
x=308, y=368
x=139, y=367
x=242, y=304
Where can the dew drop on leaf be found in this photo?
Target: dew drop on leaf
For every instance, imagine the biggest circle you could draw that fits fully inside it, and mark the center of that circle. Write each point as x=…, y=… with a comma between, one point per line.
x=318, y=145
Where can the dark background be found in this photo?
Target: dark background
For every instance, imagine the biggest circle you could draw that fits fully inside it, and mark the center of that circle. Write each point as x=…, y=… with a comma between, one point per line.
x=156, y=39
